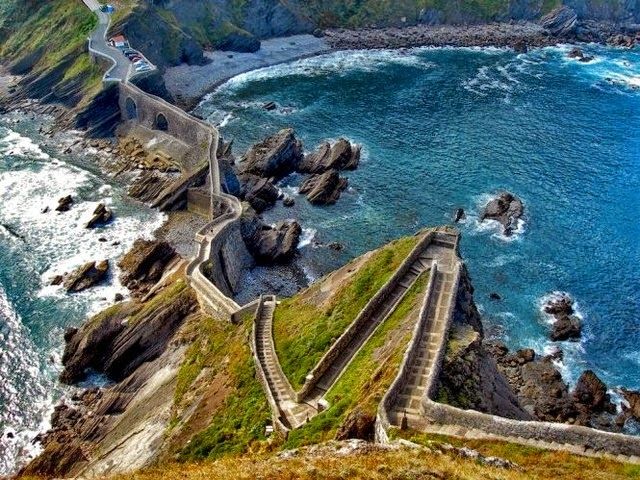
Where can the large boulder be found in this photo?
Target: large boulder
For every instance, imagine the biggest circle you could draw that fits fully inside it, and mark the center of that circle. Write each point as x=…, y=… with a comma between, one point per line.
x=324, y=188
x=143, y=265
x=86, y=276
x=342, y=155
x=567, y=326
x=561, y=22
x=269, y=244
x=64, y=204
x=275, y=157
x=101, y=216
x=259, y=192
x=590, y=395
x=507, y=209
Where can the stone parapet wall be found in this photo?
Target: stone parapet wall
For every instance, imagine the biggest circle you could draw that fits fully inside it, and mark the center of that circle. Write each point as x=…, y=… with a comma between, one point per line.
x=363, y=317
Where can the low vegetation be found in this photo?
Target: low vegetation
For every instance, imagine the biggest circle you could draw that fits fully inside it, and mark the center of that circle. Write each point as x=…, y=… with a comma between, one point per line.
x=306, y=325
x=370, y=374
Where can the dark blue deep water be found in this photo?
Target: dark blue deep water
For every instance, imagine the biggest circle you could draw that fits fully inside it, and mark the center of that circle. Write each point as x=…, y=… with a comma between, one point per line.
x=448, y=128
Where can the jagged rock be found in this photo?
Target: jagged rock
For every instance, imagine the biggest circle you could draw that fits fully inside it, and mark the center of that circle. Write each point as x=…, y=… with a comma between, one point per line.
x=620, y=40
x=579, y=55
x=324, y=188
x=288, y=202
x=358, y=424
x=269, y=244
x=459, y=215
x=342, y=155
x=64, y=204
x=506, y=209
x=567, y=326
x=495, y=296
x=259, y=192
x=559, y=305
x=590, y=395
x=269, y=106
x=274, y=157
x=143, y=265
x=633, y=399
x=86, y=276
x=101, y=216
x=57, y=280
x=561, y=22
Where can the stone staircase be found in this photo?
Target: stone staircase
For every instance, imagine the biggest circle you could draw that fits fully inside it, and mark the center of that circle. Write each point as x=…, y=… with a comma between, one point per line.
x=279, y=391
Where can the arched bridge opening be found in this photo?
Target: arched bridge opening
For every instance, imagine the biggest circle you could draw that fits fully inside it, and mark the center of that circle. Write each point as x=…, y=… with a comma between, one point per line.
x=131, y=109
x=161, y=123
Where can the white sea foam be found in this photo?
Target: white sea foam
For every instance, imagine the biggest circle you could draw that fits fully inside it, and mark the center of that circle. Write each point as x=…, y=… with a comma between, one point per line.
x=489, y=226
x=16, y=145
x=306, y=239
x=226, y=120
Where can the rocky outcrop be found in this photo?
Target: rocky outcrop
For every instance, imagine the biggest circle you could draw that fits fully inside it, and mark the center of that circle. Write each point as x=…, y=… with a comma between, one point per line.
x=507, y=209
x=630, y=409
x=269, y=244
x=590, y=395
x=275, y=157
x=577, y=54
x=119, y=340
x=342, y=155
x=259, y=192
x=85, y=276
x=359, y=425
x=101, y=216
x=324, y=188
x=470, y=378
x=561, y=22
x=64, y=204
x=567, y=326
x=143, y=265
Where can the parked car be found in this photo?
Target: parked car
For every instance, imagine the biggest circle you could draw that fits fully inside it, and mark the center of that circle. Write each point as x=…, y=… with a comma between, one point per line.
x=136, y=58
x=143, y=68
x=130, y=51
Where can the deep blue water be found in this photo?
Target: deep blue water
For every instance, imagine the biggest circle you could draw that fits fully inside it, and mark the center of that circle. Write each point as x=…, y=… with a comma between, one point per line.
x=34, y=247
x=443, y=129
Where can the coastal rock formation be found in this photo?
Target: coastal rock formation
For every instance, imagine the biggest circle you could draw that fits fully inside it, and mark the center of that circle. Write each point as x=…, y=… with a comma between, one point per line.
x=567, y=326
x=560, y=22
x=101, y=216
x=119, y=340
x=64, y=204
x=143, y=265
x=579, y=55
x=324, y=188
x=259, y=192
x=590, y=395
x=342, y=155
x=470, y=378
x=507, y=209
x=275, y=157
x=85, y=276
x=269, y=244
x=632, y=410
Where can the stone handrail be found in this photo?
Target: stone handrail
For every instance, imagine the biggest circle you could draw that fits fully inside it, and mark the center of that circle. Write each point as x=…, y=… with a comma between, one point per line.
x=276, y=412
x=382, y=419
x=363, y=317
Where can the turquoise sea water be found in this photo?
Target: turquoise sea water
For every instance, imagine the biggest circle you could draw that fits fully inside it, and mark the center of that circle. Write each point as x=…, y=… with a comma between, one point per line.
x=447, y=128
x=35, y=246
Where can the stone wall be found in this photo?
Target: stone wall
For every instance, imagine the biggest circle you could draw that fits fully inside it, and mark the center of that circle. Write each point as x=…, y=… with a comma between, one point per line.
x=363, y=317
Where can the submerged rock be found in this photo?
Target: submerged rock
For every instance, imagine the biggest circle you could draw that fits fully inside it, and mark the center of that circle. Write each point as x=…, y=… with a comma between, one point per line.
x=342, y=155
x=86, y=276
x=506, y=209
x=324, y=188
x=274, y=157
x=101, y=216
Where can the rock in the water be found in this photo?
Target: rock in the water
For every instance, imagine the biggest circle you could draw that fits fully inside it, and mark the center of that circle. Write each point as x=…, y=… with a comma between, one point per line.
x=342, y=155
x=337, y=246
x=64, y=204
x=101, y=216
x=274, y=157
x=269, y=244
x=506, y=209
x=259, y=192
x=633, y=399
x=358, y=424
x=143, y=265
x=288, y=201
x=86, y=276
x=620, y=40
x=560, y=22
x=495, y=296
x=324, y=188
x=567, y=326
x=590, y=395
x=57, y=280
x=269, y=106
x=579, y=55
x=459, y=215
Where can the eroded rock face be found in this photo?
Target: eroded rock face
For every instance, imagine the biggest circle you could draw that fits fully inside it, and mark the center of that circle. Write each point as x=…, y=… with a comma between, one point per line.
x=342, y=155
x=324, y=188
x=275, y=157
x=590, y=395
x=259, y=192
x=507, y=209
x=359, y=425
x=85, y=276
x=144, y=264
x=101, y=216
x=560, y=22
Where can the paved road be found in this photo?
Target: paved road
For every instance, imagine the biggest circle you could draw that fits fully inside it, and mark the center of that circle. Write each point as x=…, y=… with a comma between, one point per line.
x=122, y=69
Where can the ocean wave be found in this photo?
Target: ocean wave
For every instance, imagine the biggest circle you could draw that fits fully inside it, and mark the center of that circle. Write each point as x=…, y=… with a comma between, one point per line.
x=25, y=391
x=17, y=145
x=307, y=237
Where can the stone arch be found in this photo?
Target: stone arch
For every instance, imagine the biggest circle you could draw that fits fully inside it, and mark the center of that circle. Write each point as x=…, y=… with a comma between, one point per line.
x=131, y=109
x=161, y=122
